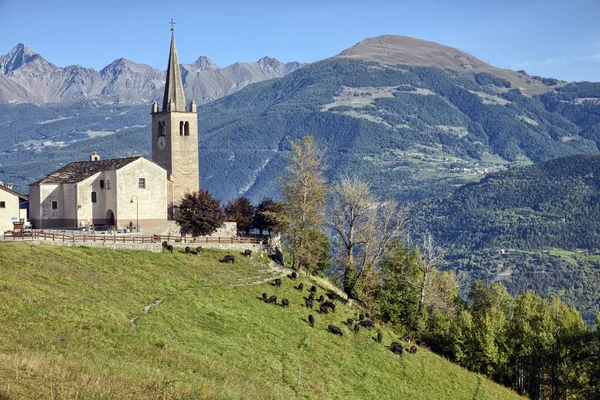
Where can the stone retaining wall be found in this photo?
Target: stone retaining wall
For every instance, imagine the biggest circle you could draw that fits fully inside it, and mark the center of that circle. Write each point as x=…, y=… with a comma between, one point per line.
x=155, y=247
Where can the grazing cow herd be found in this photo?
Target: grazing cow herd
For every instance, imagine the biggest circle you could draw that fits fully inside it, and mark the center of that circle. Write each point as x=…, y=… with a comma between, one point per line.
x=326, y=306
x=229, y=258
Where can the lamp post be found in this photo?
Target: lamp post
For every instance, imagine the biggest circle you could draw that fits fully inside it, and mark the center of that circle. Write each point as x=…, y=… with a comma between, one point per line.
x=137, y=212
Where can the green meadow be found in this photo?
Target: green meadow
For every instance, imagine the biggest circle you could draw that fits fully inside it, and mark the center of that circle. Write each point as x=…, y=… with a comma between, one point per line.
x=93, y=323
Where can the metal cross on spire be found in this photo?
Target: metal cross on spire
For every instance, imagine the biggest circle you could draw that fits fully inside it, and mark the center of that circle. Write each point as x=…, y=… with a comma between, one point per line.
x=172, y=25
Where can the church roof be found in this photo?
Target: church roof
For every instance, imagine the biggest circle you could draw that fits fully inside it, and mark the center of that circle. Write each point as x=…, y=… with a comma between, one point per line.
x=7, y=189
x=77, y=171
x=174, y=86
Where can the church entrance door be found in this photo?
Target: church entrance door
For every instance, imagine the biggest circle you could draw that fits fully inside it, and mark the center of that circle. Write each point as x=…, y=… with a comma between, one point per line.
x=110, y=218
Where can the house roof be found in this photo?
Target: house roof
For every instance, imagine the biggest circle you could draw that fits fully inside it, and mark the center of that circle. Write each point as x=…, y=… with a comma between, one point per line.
x=77, y=171
x=6, y=189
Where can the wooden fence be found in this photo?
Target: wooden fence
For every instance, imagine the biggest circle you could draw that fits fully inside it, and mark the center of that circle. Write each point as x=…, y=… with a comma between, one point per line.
x=108, y=238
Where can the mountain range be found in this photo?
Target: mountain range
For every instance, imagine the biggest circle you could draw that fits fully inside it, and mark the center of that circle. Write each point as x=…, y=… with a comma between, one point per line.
x=26, y=77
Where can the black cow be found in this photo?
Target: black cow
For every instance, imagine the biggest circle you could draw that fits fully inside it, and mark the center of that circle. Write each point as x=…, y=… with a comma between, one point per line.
x=169, y=248
x=285, y=302
x=164, y=244
x=335, y=330
x=413, y=350
x=293, y=276
x=247, y=253
x=331, y=305
x=379, y=337
x=278, y=258
x=187, y=249
x=396, y=347
x=356, y=328
x=228, y=258
x=300, y=287
x=309, y=303
x=418, y=342
x=361, y=317
x=277, y=282
x=264, y=296
x=321, y=299
x=407, y=337
x=311, y=320
x=311, y=297
x=272, y=299
x=313, y=289
x=367, y=323
x=350, y=321
x=323, y=309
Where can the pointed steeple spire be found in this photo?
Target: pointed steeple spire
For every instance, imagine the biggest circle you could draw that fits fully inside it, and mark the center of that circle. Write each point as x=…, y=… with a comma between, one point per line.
x=174, y=99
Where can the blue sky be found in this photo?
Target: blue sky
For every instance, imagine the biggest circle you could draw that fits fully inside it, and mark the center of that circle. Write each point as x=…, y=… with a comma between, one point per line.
x=551, y=38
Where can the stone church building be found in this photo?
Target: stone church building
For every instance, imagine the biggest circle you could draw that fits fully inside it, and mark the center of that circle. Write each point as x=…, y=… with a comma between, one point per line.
x=130, y=191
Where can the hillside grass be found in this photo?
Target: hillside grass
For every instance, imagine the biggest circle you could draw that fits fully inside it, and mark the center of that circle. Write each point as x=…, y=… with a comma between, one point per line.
x=66, y=332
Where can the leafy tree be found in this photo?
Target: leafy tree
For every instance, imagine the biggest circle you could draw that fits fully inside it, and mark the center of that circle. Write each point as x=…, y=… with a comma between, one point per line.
x=397, y=298
x=432, y=259
x=302, y=208
x=324, y=256
x=200, y=214
x=265, y=216
x=240, y=210
x=353, y=213
x=365, y=227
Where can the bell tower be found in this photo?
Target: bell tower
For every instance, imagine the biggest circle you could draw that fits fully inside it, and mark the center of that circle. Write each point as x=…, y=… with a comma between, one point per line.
x=175, y=135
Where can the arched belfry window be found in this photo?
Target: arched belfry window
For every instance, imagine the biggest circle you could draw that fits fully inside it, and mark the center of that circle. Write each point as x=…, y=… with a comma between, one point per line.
x=181, y=128
x=186, y=127
x=162, y=130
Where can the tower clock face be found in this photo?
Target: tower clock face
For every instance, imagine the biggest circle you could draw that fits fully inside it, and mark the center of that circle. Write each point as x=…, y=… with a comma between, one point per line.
x=161, y=142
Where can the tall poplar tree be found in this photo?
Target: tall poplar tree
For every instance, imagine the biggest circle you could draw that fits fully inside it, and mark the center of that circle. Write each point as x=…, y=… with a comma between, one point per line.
x=304, y=193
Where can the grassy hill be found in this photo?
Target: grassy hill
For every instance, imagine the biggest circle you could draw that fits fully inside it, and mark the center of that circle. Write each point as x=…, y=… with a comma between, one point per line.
x=67, y=332
x=534, y=227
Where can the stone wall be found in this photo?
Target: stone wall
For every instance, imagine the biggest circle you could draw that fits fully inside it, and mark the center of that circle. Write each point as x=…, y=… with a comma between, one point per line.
x=155, y=247
x=229, y=229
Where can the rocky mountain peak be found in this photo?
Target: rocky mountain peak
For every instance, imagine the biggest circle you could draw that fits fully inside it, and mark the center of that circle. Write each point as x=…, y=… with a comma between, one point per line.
x=271, y=65
x=394, y=49
x=19, y=56
x=204, y=63
x=26, y=77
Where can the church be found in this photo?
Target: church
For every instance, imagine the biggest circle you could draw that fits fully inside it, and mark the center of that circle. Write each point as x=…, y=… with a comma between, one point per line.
x=129, y=192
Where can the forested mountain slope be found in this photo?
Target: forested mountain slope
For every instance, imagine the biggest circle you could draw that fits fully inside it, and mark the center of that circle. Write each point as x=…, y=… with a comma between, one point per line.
x=534, y=227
